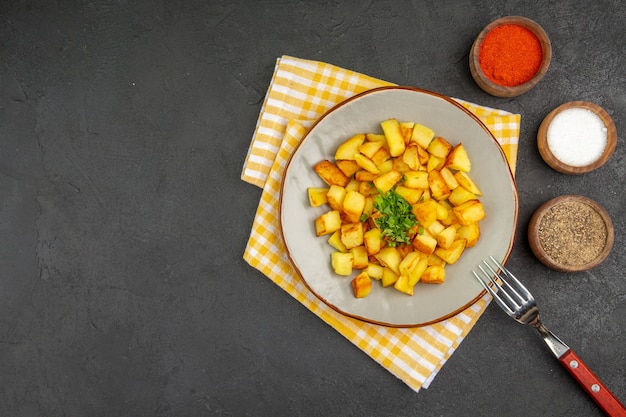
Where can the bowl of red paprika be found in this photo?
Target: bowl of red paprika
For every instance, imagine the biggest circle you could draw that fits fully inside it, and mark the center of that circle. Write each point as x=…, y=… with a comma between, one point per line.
x=510, y=56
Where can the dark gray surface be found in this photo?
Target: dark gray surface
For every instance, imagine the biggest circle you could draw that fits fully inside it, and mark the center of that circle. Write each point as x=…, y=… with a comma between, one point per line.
x=123, y=292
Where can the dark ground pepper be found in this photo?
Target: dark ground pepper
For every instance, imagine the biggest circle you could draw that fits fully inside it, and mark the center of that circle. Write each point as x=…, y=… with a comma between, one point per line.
x=572, y=233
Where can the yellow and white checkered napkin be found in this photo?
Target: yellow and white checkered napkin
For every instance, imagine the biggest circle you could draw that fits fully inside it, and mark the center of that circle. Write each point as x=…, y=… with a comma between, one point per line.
x=300, y=92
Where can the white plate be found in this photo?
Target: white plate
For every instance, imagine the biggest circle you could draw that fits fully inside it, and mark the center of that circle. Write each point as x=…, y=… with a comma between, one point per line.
x=362, y=114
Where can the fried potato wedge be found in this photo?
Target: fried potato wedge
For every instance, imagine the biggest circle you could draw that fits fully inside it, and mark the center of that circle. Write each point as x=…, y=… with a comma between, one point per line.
x=361, y=285
x=331, y=174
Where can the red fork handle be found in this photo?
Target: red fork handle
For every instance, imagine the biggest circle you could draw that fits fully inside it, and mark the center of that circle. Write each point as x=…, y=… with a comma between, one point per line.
x=592, y=384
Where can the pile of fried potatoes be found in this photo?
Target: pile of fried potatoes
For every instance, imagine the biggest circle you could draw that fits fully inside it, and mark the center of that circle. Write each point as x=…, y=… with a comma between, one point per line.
x=425, y=170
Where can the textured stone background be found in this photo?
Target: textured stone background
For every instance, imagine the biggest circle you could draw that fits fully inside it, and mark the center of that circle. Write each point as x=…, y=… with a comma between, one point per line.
x=123, y=129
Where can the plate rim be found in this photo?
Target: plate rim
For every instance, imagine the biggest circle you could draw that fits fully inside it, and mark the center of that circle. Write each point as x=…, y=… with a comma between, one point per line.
x=448, y=99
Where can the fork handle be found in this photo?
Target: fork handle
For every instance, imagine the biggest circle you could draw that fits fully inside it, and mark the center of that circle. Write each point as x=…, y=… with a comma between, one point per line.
x=603, y=397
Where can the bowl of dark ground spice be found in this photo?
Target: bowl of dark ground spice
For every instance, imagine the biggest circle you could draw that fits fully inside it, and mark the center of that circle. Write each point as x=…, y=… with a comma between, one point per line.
x=571, y=233
x=510, y=56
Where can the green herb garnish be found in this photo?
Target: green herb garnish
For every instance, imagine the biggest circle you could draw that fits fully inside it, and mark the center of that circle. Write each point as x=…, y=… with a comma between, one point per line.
x=394, y=217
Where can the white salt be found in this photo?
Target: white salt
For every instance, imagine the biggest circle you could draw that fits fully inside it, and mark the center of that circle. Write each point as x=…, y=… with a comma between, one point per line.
x=577, y=136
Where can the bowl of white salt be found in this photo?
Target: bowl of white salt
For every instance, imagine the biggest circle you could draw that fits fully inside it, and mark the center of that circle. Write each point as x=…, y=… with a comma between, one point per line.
x=577, y=137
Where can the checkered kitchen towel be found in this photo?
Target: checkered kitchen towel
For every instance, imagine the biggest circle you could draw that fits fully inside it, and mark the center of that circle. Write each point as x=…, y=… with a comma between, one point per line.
x=300, y=92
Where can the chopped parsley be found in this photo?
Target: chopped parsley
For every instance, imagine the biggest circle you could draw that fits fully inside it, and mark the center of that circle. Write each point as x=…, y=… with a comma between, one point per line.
x=394, y=217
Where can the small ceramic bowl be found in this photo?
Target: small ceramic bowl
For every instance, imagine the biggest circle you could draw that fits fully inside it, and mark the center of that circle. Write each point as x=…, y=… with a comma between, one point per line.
x=557, y=164
x=500, y=90
x=571, y=233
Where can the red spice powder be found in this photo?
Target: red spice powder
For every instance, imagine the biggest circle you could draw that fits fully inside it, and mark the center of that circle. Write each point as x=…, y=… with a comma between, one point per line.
x=510, y=55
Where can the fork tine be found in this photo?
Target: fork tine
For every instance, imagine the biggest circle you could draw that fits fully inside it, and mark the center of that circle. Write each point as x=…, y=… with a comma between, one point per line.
x=511, y=293
x=485, y=286
x=503, y=305
x=527, y=294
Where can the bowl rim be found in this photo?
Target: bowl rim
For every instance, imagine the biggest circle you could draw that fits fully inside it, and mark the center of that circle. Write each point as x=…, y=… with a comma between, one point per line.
x=560, y=166
x=510, y=244
x=500, y=90
x=540, y=253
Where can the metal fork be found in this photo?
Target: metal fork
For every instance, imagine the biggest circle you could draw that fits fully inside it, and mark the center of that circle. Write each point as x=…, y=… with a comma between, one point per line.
x=519, y=304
